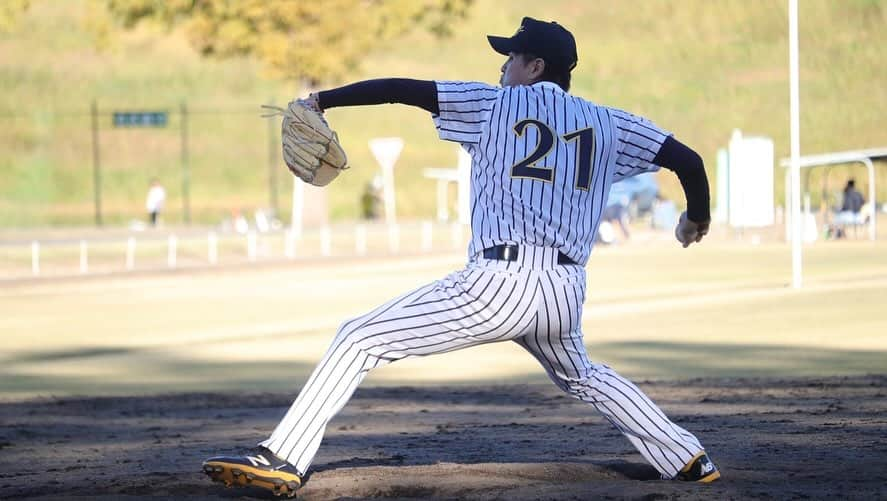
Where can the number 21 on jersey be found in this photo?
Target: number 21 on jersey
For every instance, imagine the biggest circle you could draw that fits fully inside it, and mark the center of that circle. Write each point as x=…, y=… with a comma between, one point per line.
x=527, y=167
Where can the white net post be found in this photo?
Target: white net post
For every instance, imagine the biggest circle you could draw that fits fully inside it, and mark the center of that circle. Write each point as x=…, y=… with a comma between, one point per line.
x=130, y=253
x=326, y=243
x=427, y=236
x=251, y=245
x=84, y=257
x=212, y=248
x=360, y=240
x=35, y=258
x=289, y=244
x=394, y=238
x=172, y=251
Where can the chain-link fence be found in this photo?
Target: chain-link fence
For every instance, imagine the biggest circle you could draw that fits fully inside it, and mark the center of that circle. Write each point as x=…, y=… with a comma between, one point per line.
x=94, y=164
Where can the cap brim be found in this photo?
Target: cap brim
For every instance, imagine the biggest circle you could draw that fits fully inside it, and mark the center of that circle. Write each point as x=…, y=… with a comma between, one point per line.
x=502, y=45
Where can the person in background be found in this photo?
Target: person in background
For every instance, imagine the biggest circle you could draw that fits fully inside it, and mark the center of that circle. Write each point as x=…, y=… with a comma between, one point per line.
x=371, y=200
x=616, y=211
x=851, y=211
x=853, y=200
x=155, y=201
x=665, y=213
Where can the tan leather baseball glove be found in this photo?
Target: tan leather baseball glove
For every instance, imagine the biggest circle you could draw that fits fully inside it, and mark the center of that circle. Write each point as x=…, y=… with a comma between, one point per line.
x=311, y=149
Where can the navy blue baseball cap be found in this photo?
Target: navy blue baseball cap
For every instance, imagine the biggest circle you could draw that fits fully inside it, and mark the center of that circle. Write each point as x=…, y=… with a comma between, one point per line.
x=548, y=40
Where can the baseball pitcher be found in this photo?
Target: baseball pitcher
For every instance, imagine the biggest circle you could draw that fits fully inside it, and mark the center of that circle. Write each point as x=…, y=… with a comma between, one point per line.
x=543, y=161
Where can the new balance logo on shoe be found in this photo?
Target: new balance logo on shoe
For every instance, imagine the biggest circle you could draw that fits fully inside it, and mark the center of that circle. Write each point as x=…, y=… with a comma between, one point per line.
x=707, y=467
x=257, y=460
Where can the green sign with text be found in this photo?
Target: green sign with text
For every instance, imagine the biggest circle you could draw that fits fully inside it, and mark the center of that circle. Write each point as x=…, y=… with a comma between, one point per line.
x=140, y=119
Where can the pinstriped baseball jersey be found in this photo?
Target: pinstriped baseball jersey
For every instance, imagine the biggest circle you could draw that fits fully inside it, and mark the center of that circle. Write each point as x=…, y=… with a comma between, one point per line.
x=542, y=161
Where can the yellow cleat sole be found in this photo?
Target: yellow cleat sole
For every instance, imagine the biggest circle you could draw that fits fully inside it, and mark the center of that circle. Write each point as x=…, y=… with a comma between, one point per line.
x=280, y=483
x=710, y=478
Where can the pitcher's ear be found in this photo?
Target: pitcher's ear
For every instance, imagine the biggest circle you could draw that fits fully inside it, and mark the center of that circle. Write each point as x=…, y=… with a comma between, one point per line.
x=538, y=67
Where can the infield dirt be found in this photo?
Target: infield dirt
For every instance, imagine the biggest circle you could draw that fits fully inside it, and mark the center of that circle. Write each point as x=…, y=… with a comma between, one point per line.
x=772, y=438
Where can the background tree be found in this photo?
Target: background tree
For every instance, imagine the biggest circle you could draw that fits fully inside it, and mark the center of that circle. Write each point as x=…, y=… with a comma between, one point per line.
x=9, y=12
x=308, y=40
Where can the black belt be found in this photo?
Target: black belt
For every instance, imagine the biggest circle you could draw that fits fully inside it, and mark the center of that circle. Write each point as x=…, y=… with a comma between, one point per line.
x=510, y=252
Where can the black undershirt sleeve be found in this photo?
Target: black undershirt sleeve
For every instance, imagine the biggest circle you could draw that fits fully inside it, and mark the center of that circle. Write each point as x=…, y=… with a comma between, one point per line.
x=687, y=164
x=421, y=93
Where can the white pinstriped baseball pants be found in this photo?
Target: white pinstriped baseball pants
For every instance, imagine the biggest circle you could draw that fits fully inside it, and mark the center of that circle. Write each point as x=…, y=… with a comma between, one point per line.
x=532, y=301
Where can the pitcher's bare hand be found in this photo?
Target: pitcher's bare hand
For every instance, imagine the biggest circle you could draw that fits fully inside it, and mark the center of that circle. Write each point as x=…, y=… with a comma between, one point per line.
x=688, y=232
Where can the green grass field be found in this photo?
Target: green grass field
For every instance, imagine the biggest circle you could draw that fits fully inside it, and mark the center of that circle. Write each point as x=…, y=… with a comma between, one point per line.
x=698, y=68
x=653, y=311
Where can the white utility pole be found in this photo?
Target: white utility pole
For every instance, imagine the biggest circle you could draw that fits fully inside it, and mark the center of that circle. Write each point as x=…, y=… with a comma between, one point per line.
x=795, y=107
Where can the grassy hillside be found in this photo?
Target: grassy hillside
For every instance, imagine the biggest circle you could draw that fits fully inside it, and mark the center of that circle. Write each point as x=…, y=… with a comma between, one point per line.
x=699, y=68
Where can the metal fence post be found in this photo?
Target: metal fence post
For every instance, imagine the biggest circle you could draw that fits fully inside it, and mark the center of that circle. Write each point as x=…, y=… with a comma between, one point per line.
x=273, y=144
x=96, y=169
x=186, y=175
